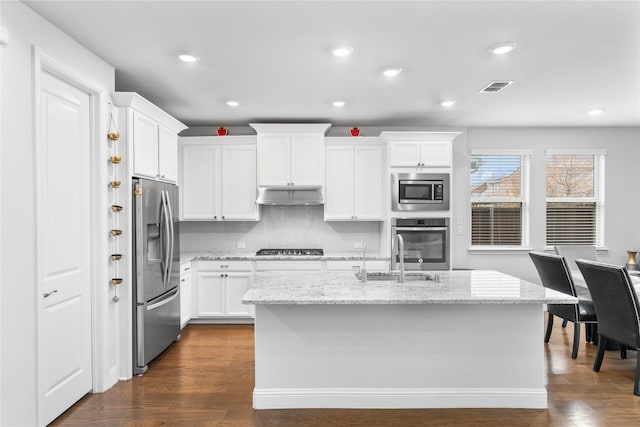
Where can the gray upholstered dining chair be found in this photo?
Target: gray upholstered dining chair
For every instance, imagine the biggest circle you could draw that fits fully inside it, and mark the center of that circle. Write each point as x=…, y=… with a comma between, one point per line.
x=617, y=308
x=554, y=274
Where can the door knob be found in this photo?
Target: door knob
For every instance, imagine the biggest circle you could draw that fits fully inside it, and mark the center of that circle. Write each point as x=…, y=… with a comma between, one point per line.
x=46, y=294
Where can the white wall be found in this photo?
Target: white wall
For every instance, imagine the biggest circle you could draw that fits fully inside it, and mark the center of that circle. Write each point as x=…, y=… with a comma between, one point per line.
x=622, y=210
x=281, y=227
x=18, y=293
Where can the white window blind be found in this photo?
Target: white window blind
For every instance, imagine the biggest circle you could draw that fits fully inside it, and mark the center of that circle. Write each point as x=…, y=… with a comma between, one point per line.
x=575, y=198
x=498, y=198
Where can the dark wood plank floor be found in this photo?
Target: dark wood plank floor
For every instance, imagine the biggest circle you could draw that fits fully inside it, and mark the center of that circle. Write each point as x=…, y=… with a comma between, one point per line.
x=207, y=379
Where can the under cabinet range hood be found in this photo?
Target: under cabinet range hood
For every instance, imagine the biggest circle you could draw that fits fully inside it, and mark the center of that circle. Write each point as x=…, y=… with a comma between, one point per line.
x=283, y=196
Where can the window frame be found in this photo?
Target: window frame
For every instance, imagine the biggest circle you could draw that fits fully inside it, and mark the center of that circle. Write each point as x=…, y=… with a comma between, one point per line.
x=598, y=198
x=525, y=168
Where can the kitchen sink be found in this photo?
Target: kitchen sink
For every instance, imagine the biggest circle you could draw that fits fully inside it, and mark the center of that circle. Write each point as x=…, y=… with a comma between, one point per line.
x=382, y=276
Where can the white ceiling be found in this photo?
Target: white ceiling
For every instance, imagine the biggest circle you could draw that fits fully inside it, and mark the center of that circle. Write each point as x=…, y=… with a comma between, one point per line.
x=273, y=57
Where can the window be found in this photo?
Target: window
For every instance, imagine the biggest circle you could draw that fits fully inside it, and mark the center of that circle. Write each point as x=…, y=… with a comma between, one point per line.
x=575, y=197
x=499, y=198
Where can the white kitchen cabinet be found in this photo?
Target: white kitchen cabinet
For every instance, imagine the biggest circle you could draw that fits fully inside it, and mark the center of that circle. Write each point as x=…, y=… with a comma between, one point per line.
x=290, y=154
x=356, y=264
x=167, y=154
x=220, y=288
x=289, y=265
x=354, y=183
x=218, y=180
x=151, y=135
x=419, y=150
x=186, y=300
x=420, y=154
x=210, y=295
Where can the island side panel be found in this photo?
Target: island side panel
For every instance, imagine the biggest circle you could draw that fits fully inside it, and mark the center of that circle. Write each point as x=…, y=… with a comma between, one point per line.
x=399, y=356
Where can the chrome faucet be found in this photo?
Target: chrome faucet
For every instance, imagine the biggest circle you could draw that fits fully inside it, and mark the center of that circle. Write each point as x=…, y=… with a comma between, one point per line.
x=398, y=244
x=364, y=266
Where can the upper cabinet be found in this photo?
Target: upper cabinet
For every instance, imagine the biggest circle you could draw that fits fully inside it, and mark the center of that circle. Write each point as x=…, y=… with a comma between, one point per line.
x=151, y=135
x=218, y=178
x=354, y=181
x=290, y=154
x=420, y=149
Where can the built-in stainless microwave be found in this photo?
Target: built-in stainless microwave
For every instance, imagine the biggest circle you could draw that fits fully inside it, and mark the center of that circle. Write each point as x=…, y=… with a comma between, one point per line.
x=420, y=191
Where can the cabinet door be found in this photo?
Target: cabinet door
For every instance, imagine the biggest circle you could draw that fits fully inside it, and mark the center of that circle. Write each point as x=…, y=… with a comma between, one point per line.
x=167, y=154
x=339, y=183
x=198, y=180
x=210, y=294
x=436, y=153
x=404, y=153
x=185, y=299
x=237, y=285
x=145, y=146
x=239, y=182
x=306, y=159
x=368, y=179
x=274, y=159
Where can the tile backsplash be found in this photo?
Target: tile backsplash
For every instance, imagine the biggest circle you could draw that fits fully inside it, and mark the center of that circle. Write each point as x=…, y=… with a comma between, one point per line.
x=280, y=227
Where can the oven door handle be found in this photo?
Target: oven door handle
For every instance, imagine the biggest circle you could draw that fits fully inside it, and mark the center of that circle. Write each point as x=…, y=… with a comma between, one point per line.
x=421, y=228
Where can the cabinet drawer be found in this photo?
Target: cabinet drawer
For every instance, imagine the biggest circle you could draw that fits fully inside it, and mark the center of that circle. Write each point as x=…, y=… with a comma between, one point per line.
x=223, y=265
x=185, y=268
x=288, y=265
x=348, y=265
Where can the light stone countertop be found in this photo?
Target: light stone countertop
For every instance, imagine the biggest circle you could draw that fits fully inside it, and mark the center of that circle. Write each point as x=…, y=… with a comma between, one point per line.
x=455, y=287
x=346, y=256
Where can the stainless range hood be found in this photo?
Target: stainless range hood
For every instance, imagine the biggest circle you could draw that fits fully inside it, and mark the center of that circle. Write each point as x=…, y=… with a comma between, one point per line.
x=288, y=196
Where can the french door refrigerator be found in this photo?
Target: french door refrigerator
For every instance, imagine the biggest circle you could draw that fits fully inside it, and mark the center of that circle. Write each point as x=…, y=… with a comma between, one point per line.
x=156, y=270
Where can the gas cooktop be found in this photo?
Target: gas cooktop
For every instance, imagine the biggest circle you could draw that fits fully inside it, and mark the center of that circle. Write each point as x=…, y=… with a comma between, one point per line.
x=295, y=252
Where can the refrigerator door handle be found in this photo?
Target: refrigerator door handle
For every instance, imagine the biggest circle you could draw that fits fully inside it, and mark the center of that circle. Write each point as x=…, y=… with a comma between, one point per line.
x=167, y=237
x=164, y=301
x=163, y=246
x=171, y=235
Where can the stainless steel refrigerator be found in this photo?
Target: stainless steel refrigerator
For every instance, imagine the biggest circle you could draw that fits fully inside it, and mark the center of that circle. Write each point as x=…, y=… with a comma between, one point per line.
x=156, y=270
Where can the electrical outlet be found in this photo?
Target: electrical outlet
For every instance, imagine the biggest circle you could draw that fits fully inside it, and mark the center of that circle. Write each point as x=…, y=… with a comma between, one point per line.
x=357, y=245
x=459, y=230
x=241, y=245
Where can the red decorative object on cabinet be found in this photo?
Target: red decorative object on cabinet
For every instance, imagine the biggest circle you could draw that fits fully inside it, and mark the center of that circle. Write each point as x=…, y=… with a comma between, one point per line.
x=355, y=132
x=222, y=131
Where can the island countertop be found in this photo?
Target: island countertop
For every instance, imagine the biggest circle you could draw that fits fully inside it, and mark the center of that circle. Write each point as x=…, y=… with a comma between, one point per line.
x=454, y=287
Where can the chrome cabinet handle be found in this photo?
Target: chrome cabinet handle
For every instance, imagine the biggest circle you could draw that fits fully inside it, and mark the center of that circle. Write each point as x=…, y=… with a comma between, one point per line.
x=224, y=265
x=46, y=294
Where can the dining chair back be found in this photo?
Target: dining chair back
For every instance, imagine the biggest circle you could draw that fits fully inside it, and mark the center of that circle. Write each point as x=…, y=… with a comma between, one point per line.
x=555, y=274
x=617, y=308
x=573, y=252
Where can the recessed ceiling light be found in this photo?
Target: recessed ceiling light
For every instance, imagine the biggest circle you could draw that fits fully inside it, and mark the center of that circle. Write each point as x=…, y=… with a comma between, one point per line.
x=342, y=51
x=233, y=103
x=595, y=111
x=339, y=104
x=448, y=103
x=391, y=71
x=502, y=48
x=187, y=57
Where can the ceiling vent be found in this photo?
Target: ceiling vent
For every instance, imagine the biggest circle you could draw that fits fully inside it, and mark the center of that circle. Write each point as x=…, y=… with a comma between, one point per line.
x=494, y=87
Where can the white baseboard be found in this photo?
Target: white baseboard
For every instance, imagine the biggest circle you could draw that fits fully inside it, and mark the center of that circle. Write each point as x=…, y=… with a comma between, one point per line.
x=351, y=398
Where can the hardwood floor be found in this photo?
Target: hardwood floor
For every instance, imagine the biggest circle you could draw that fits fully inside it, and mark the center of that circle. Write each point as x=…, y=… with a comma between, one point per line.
x=207, y=380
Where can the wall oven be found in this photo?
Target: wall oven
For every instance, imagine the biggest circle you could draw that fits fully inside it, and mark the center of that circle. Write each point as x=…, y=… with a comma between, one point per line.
x=420, y=191
x=426, y=243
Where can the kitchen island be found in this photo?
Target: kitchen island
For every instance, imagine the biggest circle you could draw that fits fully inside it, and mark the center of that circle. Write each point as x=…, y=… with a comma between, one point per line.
x=470, y=339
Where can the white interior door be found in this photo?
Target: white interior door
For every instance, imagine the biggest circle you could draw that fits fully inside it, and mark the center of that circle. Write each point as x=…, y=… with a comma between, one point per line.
x=64, y=246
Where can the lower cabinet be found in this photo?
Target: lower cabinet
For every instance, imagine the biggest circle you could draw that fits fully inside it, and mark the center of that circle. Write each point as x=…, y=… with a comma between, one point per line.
x=220, y=292
x=186, y=299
